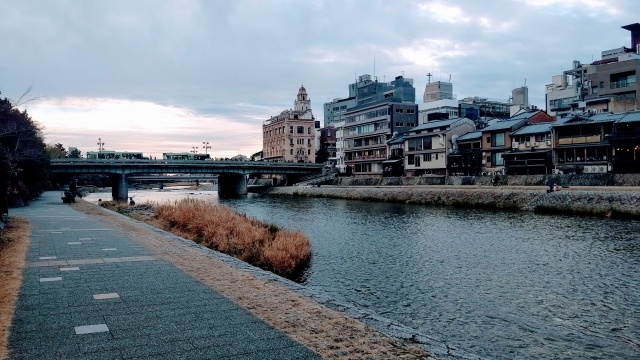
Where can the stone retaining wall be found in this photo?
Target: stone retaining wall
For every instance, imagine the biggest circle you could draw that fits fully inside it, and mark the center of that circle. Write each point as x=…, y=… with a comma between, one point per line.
x=513, y=180
x=600, y=203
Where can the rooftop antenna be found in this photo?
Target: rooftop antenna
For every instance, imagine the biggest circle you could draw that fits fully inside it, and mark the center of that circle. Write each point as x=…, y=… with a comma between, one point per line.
x=429, y=77
x=449, y=77
x=374, y=68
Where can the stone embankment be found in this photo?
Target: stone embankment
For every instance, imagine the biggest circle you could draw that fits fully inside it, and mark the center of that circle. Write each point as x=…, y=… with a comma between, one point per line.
x=609, y=202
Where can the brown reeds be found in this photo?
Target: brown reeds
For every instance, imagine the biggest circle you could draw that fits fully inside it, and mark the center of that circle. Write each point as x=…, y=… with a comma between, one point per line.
x=220, y=228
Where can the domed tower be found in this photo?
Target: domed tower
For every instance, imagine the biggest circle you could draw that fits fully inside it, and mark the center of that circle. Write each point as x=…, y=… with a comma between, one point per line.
x=302, y=103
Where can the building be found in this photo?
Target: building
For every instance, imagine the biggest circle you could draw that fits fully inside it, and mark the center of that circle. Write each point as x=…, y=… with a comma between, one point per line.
x=466, y=157
x=581, y=143
x=625, y=141
x=437, y=90
x=367, y=91
x=427, y=145
x=531, y=152
x=327, y=145
x=368, y=128
x=438, y=110
x=290, y=136
x=605, y=85
x=496, y=140
x=480, y=110
x=340, y=165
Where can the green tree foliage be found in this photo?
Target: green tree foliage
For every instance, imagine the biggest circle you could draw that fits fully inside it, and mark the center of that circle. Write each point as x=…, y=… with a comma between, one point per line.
x=57, y=151
x=75, y=154
x=23, y=161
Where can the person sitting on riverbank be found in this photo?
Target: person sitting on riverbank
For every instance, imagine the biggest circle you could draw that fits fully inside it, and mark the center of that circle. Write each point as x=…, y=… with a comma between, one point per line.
x=556, y=187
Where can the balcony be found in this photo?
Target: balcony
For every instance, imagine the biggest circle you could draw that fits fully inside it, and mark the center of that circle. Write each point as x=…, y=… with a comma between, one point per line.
x=578, y=139
x=368, y=157
x=525, y=163
x=621, y=84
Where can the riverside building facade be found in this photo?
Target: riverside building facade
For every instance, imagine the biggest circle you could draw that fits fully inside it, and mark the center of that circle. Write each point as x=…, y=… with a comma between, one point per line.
x=367, y=129
x=290, y=136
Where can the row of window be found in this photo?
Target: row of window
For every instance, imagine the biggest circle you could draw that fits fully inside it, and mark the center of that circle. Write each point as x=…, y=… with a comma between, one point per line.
x=416, y=159
x=273, y=152
x=366, y=128
x=368, y=115
x=280, y=130
x=399, y=124
x=536, y=138
x=418, y=144
x=401, y=111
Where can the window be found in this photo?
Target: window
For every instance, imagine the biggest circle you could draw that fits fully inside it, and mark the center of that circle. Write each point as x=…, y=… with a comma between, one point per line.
x=496, y=159
x=300, y=130
x=400, y=111
x=410, y=159
x=291, y=129
x=497, y=139
x=309, y=130
x=291, y=142
x=309, y=152
x=426, y=157
x=488, y=139
x=411, y=111
x=417, y=160
x=436, y=156
x=309, y=142
x=291, y=151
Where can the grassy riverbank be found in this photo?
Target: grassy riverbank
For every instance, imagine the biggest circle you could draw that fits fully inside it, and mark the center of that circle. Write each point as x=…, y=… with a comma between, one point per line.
x=217, y=227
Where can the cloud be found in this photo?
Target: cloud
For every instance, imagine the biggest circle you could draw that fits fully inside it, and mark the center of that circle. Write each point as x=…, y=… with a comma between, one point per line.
x=141, y=126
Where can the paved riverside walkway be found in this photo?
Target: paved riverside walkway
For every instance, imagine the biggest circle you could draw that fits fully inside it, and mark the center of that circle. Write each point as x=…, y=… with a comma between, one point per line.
x=91, y=292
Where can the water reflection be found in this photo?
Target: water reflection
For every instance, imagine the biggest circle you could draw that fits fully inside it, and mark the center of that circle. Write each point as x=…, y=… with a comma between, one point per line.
x=500, y=284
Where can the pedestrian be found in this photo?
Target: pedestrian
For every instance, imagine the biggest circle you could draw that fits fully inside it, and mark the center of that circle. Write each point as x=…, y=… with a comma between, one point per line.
x=551, y=185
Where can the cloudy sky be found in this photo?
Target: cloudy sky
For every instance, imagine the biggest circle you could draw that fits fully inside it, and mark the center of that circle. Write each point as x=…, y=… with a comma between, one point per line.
x=158, y=76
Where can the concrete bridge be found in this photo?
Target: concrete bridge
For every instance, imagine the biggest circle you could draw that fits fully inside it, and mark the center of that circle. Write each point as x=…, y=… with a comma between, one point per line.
x=232, y=175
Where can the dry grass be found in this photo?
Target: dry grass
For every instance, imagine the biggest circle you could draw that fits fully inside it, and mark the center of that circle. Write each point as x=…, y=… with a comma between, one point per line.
x=14, y=242
x=327, y=332
x=220, y=228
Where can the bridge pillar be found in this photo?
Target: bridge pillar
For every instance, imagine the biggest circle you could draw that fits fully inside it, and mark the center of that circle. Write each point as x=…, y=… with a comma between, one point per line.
x=119, y=187
x=232, y=184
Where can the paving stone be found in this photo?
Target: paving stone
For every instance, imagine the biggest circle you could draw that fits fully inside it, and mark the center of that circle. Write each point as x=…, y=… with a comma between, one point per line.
x=51, y=279
x=158, y=314
x=88, y=329
x=70, y=268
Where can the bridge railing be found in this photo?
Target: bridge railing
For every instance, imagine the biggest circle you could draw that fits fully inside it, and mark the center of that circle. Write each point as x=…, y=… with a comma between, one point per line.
x=183, y=162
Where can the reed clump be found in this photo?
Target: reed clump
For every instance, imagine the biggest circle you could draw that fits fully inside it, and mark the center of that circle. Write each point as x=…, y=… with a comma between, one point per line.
x=217, y=227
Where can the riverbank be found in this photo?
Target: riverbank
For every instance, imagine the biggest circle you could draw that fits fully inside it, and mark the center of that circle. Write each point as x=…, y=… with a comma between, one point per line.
x=312, y=319
x=608, y=202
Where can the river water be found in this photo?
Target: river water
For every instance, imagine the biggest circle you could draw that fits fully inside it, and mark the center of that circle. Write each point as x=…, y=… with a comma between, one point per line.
x=499, y=284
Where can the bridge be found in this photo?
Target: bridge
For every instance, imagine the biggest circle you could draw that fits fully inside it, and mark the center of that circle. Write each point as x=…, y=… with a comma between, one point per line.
x=232, y=175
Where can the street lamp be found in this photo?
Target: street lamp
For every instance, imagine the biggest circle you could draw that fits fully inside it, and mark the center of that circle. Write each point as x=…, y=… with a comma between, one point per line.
x=194, y=150
x=100, y=145
x=205, y=146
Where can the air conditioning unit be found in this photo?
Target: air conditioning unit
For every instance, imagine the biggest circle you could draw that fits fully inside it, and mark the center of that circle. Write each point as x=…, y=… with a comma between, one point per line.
x=527, y=144
x=587, y=170
x=484, y=162
x=548, y=142
x=536, y=144
x=602, y=169
x=515, y=144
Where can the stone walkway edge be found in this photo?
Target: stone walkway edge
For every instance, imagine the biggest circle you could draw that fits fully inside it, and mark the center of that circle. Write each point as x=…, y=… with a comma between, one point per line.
x=384, y=325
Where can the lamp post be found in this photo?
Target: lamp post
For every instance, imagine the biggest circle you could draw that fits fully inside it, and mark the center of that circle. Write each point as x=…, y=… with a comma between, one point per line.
x=100, y=145
x=194, y=150
x=205, y=146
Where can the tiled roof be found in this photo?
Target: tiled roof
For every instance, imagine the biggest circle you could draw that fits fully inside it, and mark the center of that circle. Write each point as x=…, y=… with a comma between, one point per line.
x=504, y=124
x=633, y=116
x=470, y=136
x=435, y=124
x=534, y=129
x=525, y=115
x=397, y=140
x=596, y=118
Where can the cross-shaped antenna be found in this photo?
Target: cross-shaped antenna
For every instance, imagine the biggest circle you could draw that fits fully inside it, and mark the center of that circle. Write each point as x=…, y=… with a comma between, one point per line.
x=429, y=77
x=100, y=145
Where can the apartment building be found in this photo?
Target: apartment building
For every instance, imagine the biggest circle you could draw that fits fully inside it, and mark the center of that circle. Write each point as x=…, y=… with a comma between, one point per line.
x=496, y=140
x=368, y=128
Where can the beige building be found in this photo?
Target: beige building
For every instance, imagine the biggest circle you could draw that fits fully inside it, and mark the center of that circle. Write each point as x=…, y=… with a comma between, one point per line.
x=290, y=136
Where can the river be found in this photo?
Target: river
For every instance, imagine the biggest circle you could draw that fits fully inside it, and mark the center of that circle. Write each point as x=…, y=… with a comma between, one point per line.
x=502, y=285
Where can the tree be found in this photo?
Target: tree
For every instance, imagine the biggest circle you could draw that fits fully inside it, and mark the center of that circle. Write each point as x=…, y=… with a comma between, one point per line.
x=75, y=154
x=57, y=151
x=23, y=161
